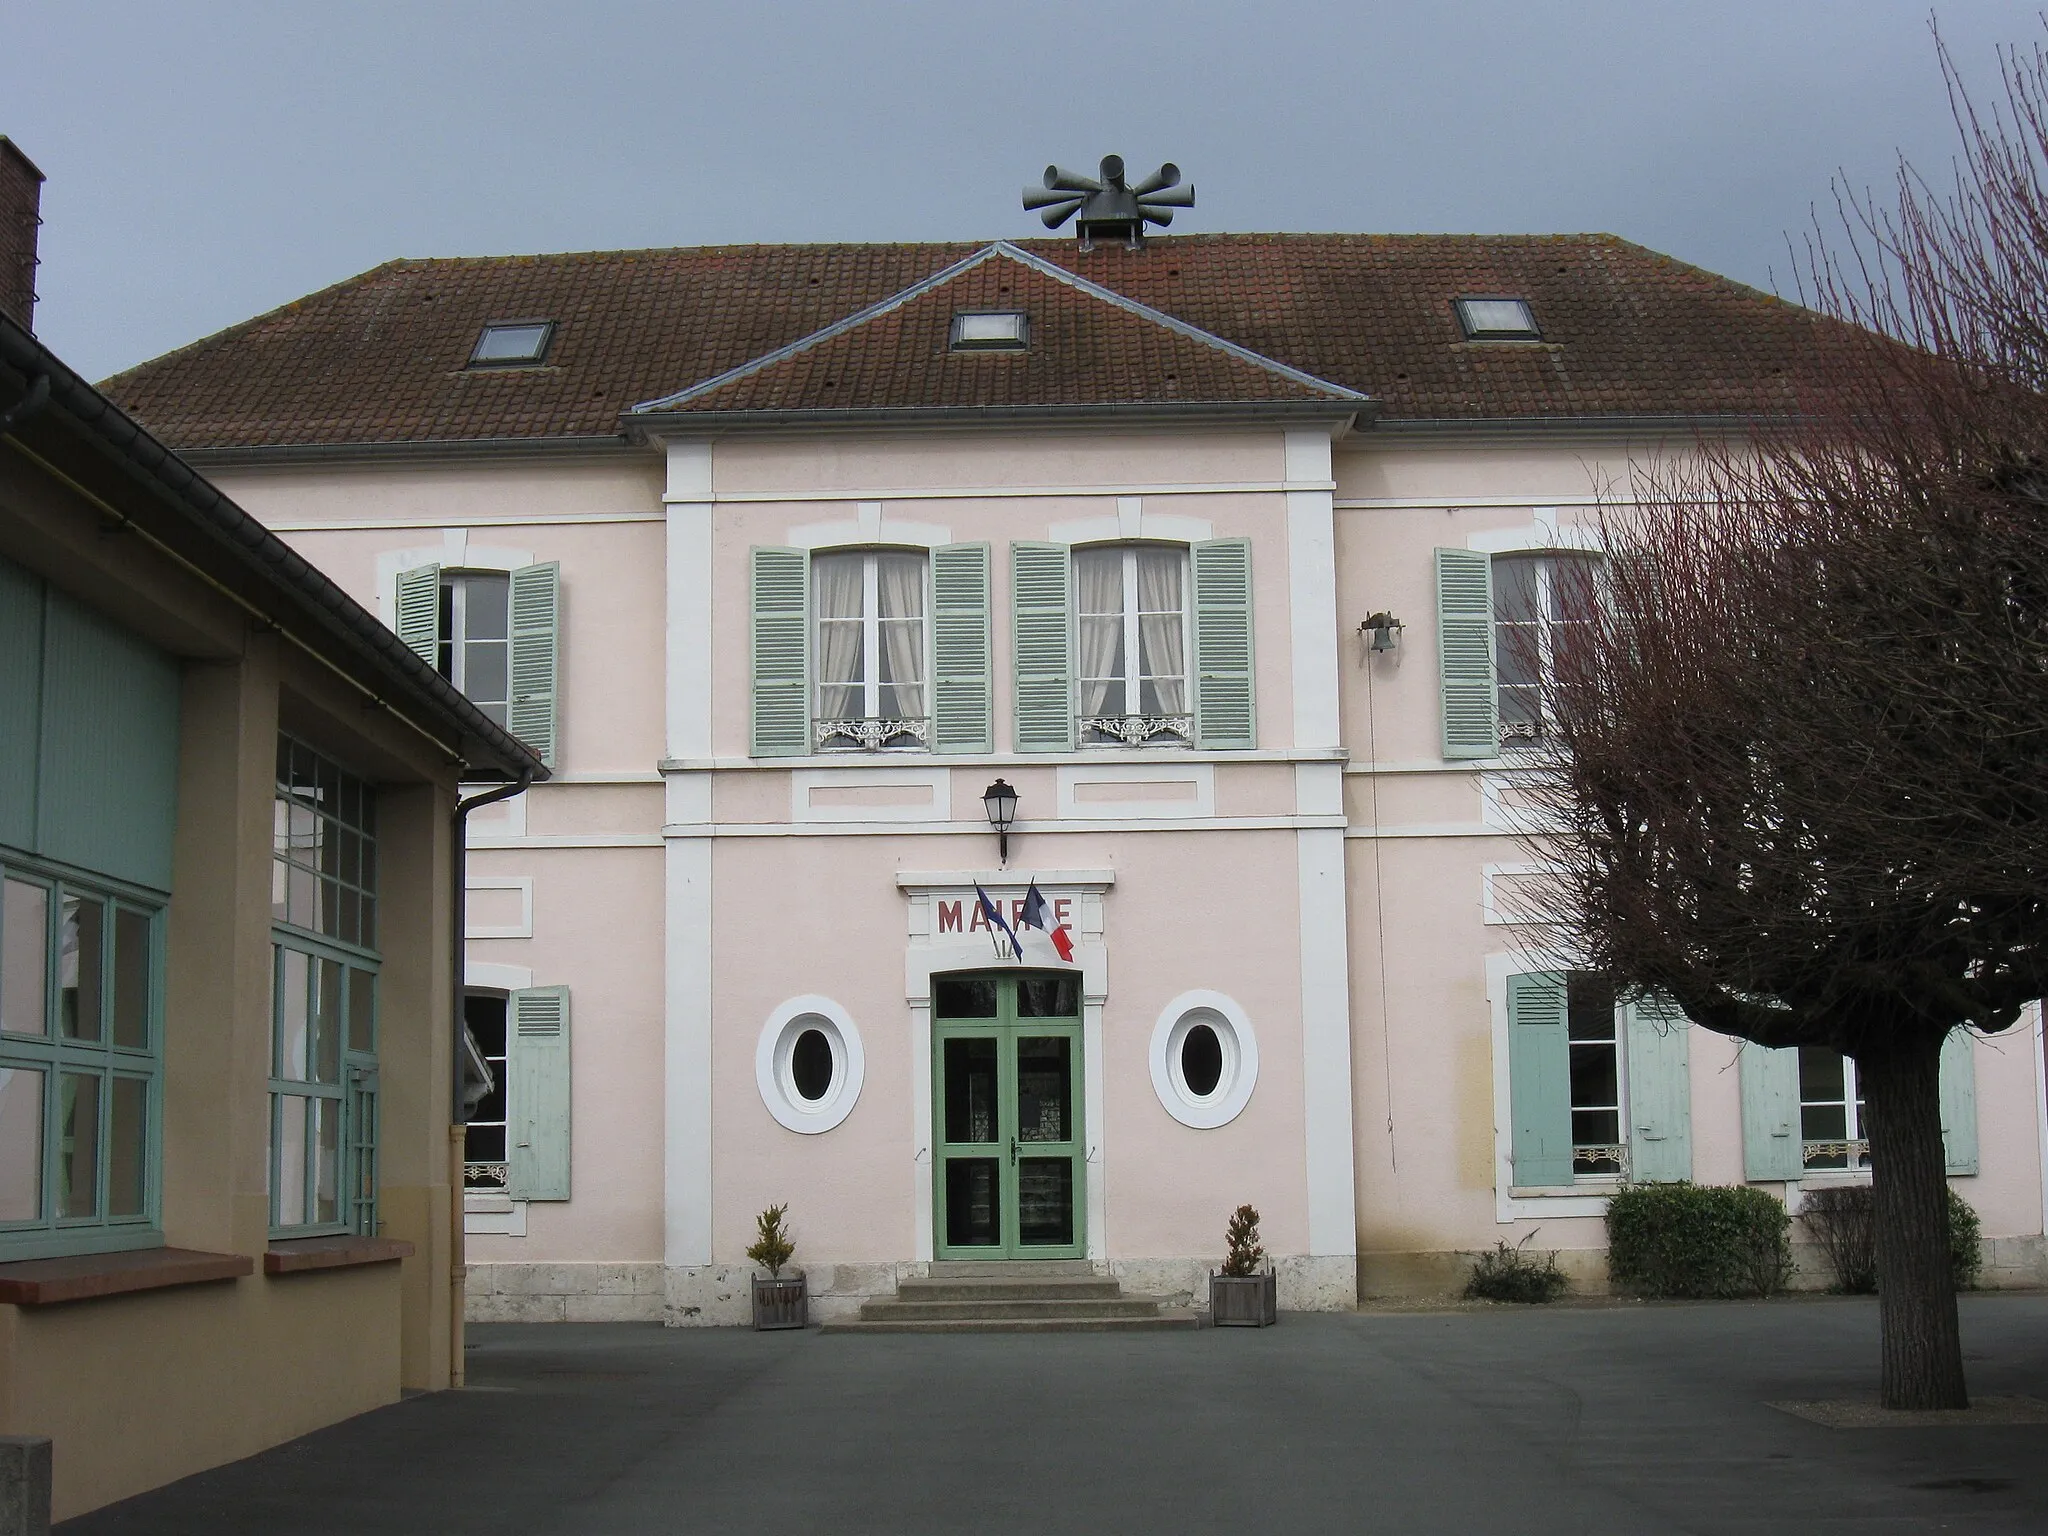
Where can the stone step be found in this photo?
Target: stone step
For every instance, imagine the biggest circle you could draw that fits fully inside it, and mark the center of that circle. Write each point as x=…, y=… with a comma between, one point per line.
x=1039, y=1288
x=906, y=1310
x=1168, y=1319
x=996, y=1269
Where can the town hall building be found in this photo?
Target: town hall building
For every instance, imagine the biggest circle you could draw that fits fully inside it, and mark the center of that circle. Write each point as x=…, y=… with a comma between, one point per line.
x=853, y=594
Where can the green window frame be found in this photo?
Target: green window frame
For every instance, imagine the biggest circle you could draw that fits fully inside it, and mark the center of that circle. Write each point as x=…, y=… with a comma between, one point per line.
x=81, y=1062
x=322, y=1166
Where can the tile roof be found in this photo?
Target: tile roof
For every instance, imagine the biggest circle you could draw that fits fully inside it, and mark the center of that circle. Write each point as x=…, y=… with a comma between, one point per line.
x=381, y=357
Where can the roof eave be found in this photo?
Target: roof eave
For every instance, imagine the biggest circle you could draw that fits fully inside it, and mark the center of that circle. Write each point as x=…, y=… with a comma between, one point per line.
x=648, y=424
x=355, y=641
x=413, y=450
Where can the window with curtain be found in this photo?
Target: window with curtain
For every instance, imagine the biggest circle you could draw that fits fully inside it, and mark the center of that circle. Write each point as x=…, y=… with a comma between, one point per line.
x=1833, y=1132
x=1131, y=639
x=868, y=610
x=1537, y=598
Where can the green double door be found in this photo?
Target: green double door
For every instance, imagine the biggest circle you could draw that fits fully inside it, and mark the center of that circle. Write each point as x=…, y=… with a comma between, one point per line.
x=1009, y=1174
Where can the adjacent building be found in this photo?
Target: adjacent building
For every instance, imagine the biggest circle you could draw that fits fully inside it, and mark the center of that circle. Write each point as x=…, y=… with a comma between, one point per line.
x=1228, y=555
x=229, y=871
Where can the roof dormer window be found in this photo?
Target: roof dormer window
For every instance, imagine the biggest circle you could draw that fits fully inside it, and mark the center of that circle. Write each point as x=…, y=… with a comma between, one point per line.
x=1497, y=320
x=513, y=344
x=994, y=331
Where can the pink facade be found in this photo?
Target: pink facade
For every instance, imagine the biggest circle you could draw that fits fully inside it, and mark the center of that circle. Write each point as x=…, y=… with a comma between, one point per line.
x=1332, y=881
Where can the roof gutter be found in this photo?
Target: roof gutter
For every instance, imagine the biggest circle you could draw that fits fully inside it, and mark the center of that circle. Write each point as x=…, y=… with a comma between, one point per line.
x=452, y=450
x=261, y=553
x=639, y=425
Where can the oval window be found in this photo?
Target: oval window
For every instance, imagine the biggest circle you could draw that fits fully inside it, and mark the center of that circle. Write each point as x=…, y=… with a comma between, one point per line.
x=1201, y=1061
x=810, y=1065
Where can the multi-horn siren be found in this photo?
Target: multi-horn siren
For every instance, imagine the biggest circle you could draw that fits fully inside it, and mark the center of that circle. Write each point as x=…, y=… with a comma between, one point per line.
x=1107, y=206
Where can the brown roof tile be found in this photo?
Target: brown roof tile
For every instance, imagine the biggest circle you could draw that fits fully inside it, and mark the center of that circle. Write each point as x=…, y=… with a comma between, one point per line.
x=381, y=358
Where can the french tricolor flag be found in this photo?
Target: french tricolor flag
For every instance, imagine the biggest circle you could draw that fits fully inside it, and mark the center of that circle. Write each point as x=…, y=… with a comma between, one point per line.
x=1036, y=916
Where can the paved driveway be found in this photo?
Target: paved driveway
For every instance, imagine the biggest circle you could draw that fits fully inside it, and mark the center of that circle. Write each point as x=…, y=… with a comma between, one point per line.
x=1623, y=1421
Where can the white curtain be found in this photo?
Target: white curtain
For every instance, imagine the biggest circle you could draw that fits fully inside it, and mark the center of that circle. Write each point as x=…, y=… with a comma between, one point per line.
x=835, y=598
x=1099, y=602
x=1162, y=630
x=901, y=593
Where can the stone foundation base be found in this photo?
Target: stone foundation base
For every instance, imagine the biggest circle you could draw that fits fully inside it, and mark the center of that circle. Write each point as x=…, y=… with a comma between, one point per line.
x=564, y=1293
x=2009, y=1263
x=1307, y=1283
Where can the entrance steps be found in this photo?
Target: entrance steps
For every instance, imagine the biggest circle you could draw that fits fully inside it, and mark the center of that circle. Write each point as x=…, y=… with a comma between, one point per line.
x=1061, y=1296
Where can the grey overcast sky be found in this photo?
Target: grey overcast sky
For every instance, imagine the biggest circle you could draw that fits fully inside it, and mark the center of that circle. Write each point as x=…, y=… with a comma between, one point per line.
x=211, y=159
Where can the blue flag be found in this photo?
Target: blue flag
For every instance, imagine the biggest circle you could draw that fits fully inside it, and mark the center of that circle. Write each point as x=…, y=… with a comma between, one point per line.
x=1033, y=915
x=994, y=915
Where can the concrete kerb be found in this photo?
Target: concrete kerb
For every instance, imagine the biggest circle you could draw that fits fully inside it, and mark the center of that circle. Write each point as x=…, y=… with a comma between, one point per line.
x=25, y=1464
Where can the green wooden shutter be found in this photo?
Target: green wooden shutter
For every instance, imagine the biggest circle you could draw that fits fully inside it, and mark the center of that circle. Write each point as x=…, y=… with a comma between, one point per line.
x=1771, y=1147
x=963, y=683
x=419, y=612
x=1959, y=1101
x=1225, y=714
x=781, y=652
x=1539, y=1079
x=1659, y=1092
x=1464, y=640
x=1041, y=579
x=536, y=610
x=537, y=1094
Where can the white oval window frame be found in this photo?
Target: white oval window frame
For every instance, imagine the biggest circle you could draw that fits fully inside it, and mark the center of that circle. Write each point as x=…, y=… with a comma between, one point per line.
x=1205, y=1112
x=776, y=1080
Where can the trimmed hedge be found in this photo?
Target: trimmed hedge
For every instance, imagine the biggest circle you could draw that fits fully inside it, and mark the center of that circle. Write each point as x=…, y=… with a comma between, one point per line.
x=1697, y=1240
x=1843, y=1222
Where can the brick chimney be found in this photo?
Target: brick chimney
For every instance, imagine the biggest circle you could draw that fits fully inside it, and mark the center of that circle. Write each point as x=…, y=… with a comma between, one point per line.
x=21, y=196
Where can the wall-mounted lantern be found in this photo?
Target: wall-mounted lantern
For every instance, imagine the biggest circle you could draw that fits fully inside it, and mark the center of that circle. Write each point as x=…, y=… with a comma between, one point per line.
x=1000, y=801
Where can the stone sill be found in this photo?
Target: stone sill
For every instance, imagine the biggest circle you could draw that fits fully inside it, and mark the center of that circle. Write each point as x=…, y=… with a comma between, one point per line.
x=301, y=1255
x=84, y=1277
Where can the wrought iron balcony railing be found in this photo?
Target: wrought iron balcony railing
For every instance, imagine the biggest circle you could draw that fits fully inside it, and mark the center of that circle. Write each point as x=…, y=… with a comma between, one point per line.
x=870, y=735
x=1138, y=730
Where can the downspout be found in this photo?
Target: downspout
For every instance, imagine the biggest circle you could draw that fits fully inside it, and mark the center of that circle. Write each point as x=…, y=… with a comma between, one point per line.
x=458, y=1113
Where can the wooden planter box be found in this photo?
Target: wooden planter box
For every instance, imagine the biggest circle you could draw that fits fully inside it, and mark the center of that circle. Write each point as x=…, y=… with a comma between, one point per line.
x=782, y=1303
x=1244, y=1301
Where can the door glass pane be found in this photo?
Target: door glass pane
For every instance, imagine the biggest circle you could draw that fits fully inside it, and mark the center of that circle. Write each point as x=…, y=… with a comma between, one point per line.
x=972, y=1185
x=327, y=1159
x=288, y=1162
x=131, y=979
x=80, y=935
x=970, y=1067
x=1045, y=1088
x=327, y=1021
x=78, y=1145
x=964, y=997
x=1045, y=1201
x=125, y=1147
x=21, y=1144
x=1049, y=997
x=485, y=600
x=362, y=1012
x=24, y=957
x=292, y=1023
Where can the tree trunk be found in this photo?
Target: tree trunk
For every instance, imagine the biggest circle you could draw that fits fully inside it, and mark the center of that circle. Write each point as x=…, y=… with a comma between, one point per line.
x=1921, y=1345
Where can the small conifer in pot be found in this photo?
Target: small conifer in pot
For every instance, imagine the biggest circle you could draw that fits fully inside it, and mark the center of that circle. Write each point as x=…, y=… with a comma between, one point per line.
x=1243, y=1294
x=779, y=1301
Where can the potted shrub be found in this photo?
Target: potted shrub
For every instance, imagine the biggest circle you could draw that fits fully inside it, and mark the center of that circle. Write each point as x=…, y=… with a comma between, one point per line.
x=1243, y=1295
x=780, y=1300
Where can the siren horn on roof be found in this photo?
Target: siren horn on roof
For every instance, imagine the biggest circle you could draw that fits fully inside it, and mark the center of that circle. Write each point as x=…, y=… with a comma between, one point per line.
x=1108, y=206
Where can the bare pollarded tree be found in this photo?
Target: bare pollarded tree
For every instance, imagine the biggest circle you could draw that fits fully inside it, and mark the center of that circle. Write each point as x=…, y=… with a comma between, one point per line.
x=1800, y=755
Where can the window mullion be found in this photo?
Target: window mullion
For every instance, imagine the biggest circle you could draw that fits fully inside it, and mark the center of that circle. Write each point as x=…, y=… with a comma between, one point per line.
x=458, y=630
x=871, y=635
x=1132, y=667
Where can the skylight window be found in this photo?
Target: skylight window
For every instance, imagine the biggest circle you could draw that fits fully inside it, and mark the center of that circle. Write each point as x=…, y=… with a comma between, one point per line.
x=509, y=345
x=1498, y=320
x=1005, y=330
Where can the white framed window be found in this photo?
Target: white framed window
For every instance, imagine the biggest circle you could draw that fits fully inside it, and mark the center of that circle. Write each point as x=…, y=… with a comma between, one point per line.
x=476, y=637
x=809, y=1065
x=869, y=641
x=1833, y=1126
x=1593, y=1031
x=1538, y=598
x=1131, y=645
x=1204, y=1059
x=484, y=1147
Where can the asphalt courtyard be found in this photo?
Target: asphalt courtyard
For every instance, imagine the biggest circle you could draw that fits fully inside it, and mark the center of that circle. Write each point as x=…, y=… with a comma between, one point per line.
x=1620, y=1420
